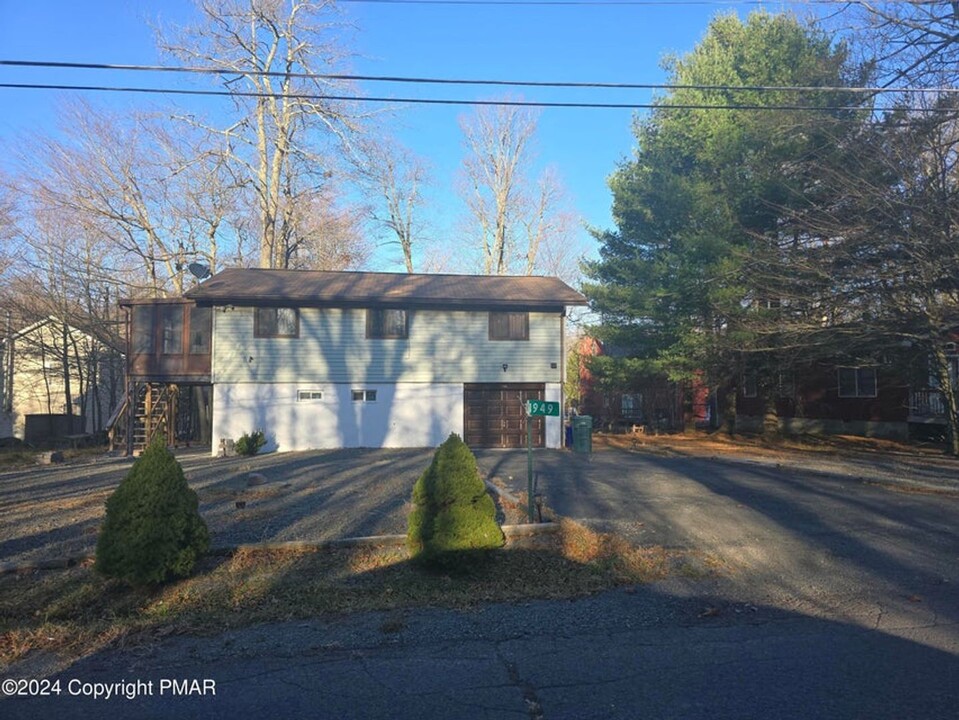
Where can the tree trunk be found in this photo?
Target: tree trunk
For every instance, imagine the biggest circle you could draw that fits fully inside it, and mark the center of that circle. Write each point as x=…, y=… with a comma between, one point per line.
x=728, y=401
x=770, y=416
x=947, y=387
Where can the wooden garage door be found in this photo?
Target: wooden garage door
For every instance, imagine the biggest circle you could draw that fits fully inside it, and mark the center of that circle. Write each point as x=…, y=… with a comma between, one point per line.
x=495, y=415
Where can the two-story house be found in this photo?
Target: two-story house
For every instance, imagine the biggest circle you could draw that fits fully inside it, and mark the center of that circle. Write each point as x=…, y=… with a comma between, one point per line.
x=358, y=359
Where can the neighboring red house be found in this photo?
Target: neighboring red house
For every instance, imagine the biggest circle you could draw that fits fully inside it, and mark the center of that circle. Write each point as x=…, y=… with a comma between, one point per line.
x=827, y=399
x=821, y=398
x=647, y=401
x=881, y=400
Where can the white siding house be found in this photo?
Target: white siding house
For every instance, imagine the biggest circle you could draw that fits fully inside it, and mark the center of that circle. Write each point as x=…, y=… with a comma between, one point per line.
x=329, y=360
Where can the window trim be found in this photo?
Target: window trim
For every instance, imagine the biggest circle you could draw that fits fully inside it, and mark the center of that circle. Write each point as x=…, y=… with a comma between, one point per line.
x=258, y=333
x=858, y=392
x=509, y=325
x=369, y=324
x=365, y=395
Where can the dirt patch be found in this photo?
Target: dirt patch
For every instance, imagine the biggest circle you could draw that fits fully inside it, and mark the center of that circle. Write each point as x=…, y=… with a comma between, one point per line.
x=700, y=443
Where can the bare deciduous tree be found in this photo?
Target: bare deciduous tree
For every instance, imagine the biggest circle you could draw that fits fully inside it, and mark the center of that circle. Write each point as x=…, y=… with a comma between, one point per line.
x=911, y=43
x=158, y=203
x=273, y=49
x=328, y=233
x=394, y=178
x=513, y=217
x=61, y=286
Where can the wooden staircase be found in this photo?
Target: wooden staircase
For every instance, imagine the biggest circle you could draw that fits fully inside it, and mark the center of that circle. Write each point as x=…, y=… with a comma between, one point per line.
x=154, y=412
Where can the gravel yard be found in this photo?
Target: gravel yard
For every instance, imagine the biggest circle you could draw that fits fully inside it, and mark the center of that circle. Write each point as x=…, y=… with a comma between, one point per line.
x=54, y=512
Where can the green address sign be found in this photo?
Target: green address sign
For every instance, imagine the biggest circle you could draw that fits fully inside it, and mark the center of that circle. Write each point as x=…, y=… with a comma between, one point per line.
x=541, y=407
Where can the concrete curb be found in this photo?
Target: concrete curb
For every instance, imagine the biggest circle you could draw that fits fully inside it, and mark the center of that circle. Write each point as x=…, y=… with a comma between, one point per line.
x=510, y=531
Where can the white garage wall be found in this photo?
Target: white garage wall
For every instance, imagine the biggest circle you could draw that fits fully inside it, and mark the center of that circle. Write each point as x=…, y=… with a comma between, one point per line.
x=553, y=392
x=403, y=415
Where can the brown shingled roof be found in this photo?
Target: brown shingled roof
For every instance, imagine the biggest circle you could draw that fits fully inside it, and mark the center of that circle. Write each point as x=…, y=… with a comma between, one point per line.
x=255, y=286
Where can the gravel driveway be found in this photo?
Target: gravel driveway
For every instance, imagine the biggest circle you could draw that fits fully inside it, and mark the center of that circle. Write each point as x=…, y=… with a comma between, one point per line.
x=55, y=512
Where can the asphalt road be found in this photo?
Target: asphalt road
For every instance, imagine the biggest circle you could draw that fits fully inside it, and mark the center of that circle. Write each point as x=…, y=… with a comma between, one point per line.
x=839, y=600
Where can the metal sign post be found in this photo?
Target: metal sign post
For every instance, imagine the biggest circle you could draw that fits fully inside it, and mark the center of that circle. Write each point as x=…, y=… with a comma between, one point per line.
x=529, y=465
x=538, y=408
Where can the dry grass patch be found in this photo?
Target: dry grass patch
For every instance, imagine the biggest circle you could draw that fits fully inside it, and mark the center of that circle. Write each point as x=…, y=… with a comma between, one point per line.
x=74, y=611
x=701, y=442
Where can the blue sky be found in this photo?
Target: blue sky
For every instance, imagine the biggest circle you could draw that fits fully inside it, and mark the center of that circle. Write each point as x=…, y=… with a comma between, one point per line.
x=605, y=43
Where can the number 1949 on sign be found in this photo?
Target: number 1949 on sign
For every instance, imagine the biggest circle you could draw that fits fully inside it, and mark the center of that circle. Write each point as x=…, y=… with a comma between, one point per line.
x=541, y=407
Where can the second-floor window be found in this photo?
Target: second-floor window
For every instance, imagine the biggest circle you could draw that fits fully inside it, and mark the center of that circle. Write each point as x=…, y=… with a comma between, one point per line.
x=171, y=324
x=857, y=382
x=201, y=330
x=142, y=329
x=386, y=324
x=509, y=326
x=276, y=323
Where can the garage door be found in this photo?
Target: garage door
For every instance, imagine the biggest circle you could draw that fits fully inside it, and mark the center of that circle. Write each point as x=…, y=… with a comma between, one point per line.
x=495, y=415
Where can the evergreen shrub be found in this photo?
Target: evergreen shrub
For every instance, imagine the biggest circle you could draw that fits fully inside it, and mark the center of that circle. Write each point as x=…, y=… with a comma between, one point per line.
x=453, y=521
x=153, y=531
x=250, y=444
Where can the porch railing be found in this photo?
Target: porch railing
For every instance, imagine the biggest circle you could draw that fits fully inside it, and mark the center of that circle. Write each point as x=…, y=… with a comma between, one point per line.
x=927, y=404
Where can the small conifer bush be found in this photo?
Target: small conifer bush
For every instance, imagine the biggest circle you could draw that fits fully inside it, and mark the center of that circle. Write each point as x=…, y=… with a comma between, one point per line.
x=153, y=531
x=250, y=444
x=453, y=521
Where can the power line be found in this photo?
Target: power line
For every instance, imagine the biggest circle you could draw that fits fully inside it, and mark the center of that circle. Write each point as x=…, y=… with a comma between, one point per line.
x=611, y=3
x=443, y=101
x=463, y=81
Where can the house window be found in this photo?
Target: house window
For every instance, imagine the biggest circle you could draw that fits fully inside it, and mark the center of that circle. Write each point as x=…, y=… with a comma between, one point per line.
x=171, y=327
x=750, y=385
x=386, y=324
x=630, y=405
x=142, y=329
x=857, y=382
x=201, y=329
x=364, y=396
x=309, y=395
x=277, y=322
x=509, y=326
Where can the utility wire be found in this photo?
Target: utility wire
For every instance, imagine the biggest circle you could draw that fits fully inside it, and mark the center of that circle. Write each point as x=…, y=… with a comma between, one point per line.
x=614, y=3
x=441, y=101
x=462, y=81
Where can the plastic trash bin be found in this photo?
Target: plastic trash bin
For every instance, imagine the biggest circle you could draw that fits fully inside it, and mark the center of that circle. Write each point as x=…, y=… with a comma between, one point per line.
x=583, y=434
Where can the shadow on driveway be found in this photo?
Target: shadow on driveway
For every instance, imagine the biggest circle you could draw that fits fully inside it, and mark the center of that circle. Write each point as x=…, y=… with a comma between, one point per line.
x=52, y=513
x=803, y=541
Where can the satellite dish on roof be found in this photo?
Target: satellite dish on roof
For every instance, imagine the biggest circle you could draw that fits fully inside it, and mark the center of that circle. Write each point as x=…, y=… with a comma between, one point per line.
x=199, y=271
